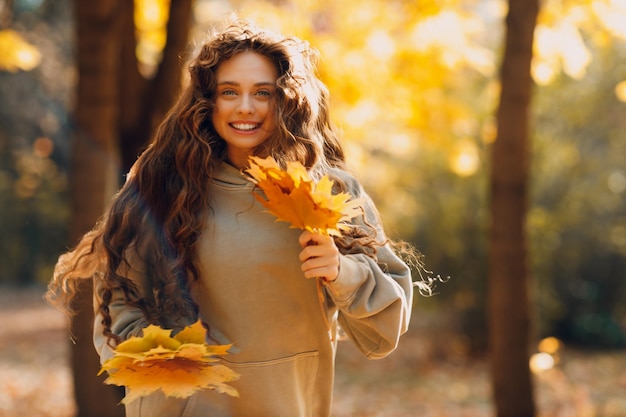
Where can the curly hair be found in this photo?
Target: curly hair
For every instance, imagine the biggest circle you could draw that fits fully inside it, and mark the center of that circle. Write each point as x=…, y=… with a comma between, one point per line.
x=159, y=213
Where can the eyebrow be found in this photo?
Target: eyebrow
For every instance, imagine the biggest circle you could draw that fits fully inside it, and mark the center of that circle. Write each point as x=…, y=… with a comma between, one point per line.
x=259, y=84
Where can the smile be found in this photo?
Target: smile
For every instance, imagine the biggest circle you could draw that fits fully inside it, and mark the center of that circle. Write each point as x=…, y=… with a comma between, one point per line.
x=245, y=126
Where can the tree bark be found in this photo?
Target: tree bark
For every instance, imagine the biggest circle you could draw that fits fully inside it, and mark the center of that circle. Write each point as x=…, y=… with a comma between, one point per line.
x=95, y=163
x=166, y=84
x=132, y=86
x=144, y=102
x=509, y=312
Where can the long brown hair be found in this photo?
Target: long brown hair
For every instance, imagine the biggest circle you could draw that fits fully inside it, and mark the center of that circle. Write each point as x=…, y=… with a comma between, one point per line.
x=158, y=214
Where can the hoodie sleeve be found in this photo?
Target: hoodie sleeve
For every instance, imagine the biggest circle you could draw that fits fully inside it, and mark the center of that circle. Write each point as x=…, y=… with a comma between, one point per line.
x=374, y=296
x=126, y=321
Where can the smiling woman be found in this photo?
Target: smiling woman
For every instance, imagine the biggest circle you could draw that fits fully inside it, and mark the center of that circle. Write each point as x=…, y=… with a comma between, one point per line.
x=188, y=239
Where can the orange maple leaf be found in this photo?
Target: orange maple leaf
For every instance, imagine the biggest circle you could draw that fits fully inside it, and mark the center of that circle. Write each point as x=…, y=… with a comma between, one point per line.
x=292, y=196
x=179, y=366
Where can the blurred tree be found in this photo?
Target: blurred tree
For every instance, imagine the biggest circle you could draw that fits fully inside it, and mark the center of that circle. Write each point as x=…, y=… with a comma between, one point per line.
x=93, y=180
x=509, y=309
x=114, y=108
x=149, y=84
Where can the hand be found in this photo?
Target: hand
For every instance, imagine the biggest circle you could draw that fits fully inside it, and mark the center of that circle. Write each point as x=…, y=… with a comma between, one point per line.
x=320, y=256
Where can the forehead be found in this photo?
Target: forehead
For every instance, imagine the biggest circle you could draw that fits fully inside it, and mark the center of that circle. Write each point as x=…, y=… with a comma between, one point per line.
x=247, y=66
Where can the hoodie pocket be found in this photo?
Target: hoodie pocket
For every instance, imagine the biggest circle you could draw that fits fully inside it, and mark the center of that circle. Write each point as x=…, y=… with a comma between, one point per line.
x=282, y=387
x=158, y=404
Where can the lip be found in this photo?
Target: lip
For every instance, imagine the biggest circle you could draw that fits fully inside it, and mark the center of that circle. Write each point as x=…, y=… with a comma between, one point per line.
x=245, y=126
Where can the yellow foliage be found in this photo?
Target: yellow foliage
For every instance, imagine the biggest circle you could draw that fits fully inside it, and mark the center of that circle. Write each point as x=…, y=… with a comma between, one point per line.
x=16, y=53
x=564, y=30
x=179, y=366
x=293, y=197
x=612, y=14
x=389, y=66
x=465, y=159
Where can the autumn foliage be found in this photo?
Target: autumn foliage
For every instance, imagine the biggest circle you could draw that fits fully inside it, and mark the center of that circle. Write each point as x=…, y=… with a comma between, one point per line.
x=177, y=365
x=292, y=196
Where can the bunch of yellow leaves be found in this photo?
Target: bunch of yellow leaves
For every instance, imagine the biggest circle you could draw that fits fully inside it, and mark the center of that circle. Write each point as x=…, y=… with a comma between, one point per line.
x=179, y=366
x=292, y=196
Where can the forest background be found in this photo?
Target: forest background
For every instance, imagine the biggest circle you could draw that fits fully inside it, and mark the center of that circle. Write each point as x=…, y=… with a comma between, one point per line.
x=415, y=88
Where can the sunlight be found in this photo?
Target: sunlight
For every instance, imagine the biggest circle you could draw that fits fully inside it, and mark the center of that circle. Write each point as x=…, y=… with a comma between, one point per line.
x=450, y=33
x=355, y=60
x=206, y=11
x=541, y=362
x=550, y=345
x=27, y=58
x=151, y=14
x=620, y=91
x=16, y=53
x=443, y=30
x=464, y=160
x=542, y=72
x=576, y=57
x=381, y=45
x=361, y=113
x=560, y=47
x=612, y=13
x=547, y=357
x=151, y=19
x=400, y=144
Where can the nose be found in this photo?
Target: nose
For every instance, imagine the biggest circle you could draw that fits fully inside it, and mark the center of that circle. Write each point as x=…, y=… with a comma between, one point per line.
x=246, y=105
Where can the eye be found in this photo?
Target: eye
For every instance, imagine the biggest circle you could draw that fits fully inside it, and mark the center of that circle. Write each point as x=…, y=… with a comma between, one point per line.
x=229, y=92
x=264, y=93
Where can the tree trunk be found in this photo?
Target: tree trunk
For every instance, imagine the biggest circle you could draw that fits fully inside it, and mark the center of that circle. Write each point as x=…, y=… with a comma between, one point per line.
x=143, y=103
x=133, y=129
x=509, y=313
x=95, y=163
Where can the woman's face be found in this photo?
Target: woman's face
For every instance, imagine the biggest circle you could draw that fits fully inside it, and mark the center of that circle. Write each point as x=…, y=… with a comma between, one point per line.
x=243, y=114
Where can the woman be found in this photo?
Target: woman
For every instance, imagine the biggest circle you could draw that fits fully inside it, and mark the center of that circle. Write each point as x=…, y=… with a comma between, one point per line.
x=186, y=239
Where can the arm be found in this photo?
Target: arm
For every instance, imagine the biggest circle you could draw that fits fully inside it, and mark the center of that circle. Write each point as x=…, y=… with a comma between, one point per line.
x=374, y=296
x=126, y=321
x=374, y=301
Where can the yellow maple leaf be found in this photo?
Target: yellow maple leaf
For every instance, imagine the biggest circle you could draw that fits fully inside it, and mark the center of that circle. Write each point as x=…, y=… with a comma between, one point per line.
x=179, y=366
x=292, y=196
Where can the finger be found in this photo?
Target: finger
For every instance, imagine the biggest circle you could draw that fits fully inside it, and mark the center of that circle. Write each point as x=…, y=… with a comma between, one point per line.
x=325, y=249
x=305, y=238
x=309, y=238
x=318, y=268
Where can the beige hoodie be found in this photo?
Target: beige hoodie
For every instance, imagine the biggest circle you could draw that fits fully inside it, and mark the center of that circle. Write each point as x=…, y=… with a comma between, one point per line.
x=253, y=294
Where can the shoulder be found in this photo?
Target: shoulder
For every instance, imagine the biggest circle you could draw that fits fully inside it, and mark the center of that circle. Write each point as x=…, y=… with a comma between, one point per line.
x=346, y=181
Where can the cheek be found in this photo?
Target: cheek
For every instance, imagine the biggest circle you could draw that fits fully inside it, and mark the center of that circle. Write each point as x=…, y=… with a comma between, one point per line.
x=216, y=114
x=270, y=116
x=221, y=106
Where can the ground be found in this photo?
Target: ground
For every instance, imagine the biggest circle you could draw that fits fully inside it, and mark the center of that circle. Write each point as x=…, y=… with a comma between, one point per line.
x=428, y=376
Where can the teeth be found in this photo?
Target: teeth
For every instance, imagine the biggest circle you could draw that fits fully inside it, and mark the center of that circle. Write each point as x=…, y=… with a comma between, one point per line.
x=244, y=126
